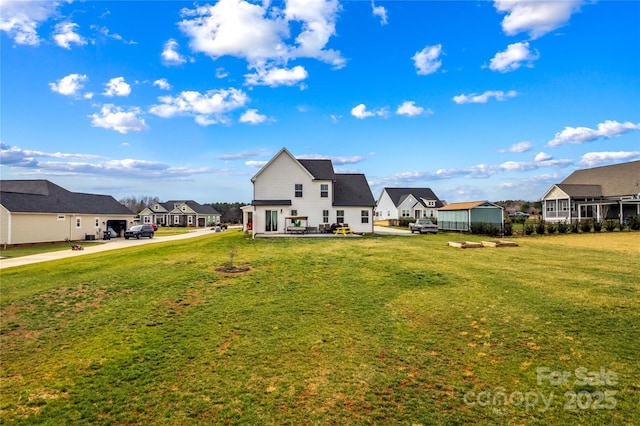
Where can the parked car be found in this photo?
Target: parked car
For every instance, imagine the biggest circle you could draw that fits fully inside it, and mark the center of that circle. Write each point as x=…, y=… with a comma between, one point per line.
x=138, y=231
x=154, y=226
x=423, y=226
x=519, y=214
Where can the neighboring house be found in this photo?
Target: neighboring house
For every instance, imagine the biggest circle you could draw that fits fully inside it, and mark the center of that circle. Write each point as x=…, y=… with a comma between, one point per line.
x=307, y=193
x=35, y=211
x=396, y=203
x=462, y=216
x=180, y=213
x=606, y=192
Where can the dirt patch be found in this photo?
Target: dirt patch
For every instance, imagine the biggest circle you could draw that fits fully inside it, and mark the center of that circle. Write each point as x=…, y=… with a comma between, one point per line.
x=233, y=269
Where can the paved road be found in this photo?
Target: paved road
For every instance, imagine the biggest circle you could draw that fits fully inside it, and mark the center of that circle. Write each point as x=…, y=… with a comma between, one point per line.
x=114, y=244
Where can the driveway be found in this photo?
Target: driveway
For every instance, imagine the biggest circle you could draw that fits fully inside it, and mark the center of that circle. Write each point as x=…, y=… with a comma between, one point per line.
x=116, y=243
x=383, y=230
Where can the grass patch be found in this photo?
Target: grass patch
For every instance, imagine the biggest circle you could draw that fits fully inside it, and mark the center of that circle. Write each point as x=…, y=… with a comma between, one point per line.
x=29, y=249
x=367, y=330
x=165, y=231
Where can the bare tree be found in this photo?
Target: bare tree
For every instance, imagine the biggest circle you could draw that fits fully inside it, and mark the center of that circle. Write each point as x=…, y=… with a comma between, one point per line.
x=137, y=204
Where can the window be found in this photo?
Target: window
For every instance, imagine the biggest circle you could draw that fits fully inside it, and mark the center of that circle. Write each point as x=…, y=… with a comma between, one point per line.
x=189, y=220
x=60, y=217
x=405, y=213
x=364, y=216
x=324, y=190
x=176, y=220
x=564, y=205
x=325, y=216
x=147, y=219
x=551, y=205
x=340, y=216
x=97, y=222
x=431, y=203
x=78, y=223
x=298, y=190
x=294, y=212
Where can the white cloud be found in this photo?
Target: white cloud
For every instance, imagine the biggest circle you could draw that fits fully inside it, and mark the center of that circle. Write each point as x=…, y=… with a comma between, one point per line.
x=65, y=35
x=483, y=98
x=256, y=164
x=252, y=116
x=523, y=146
x=162, y=83
x=360, y=111
x=591, y=159
x=117, y=87
x=579, y=135
x=277, y=77
x=221, y=72
x=380, y=12
x=542, y=156
x=336, y=160
x=69, y=85
x=260, y=33
x=516, y=55
x=208, y=108
x=409, y=108
x=243, y=154
x=105, y=32
x=427, y=61
x=170, y=55
x=535, y=17
x=335, y=118
x=20, y=19
x=114, y=118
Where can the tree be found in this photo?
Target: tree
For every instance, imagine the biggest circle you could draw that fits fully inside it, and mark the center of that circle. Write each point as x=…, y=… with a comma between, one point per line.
x=137, y=204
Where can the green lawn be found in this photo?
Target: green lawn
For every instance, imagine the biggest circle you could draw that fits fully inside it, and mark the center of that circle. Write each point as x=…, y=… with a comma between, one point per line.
x=29, y=249
x=371, y=330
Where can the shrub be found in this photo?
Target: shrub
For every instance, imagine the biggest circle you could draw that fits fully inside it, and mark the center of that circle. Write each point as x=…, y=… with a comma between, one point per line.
x=540, y=228
x=551, y=228
x=634, y=223
x=610, y=225
x=528, y=230
x=574, y=228
x=585, y=226
x=508, y=229
x=563, y=228
x=597, y=226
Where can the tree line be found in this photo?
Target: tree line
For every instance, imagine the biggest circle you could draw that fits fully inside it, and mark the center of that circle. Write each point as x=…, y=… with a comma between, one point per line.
x=230, y=212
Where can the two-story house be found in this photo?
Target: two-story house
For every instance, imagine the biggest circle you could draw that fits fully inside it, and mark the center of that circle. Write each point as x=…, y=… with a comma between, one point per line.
x=308, y=193
x=396, y=203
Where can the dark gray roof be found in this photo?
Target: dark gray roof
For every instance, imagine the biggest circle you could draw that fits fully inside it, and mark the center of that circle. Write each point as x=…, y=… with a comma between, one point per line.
x=615, y=180
x=271, y=203
x=581, y=191
x=196, y=207
x=42, y=196
x=320, y=169
x=398, y=195
x=352, y=190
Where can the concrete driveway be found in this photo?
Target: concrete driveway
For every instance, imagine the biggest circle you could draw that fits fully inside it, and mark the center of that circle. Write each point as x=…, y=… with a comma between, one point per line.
x=114, y=244
x=383, y=230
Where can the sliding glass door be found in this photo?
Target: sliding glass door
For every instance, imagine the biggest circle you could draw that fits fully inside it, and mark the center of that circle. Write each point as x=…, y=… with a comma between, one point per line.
x=271, y=221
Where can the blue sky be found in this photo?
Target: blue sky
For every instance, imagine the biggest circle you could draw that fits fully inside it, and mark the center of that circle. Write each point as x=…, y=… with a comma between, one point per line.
x=186, y=100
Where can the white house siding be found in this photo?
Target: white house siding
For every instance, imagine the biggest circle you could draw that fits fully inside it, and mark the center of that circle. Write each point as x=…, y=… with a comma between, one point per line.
x=386, y=209
x=5, y=219
x=277, y=182
x=353, y=217
x=555, y=196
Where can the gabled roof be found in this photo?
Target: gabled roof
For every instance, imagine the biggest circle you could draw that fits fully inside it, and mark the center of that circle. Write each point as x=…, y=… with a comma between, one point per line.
x=352, y=189
x=615, y=180
x=320, y=169
x=398, y=195
x=196, y=207
x=283, y=151
x=42, y=196
x=581, y=191
x=467, y=205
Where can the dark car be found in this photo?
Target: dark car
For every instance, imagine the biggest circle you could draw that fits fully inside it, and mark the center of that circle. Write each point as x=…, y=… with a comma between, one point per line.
x=138, y=231
x=519, y=214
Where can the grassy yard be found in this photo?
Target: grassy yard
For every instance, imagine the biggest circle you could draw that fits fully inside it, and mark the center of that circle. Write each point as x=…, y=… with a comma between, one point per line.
x=29, y=249
x=372, y=330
